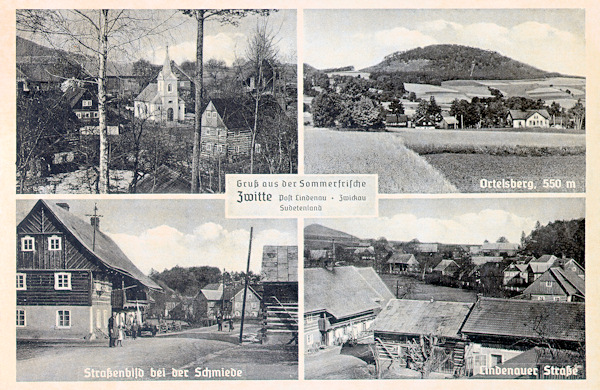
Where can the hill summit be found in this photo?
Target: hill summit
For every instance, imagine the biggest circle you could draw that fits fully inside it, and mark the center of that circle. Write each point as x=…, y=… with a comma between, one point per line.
x=436, y=63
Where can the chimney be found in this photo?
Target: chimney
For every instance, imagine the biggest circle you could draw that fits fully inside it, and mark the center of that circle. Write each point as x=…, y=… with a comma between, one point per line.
x=64, y=206
x=95, y=222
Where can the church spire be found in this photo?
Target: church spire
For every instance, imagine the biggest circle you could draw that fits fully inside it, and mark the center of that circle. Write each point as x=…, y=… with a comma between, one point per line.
x=166, y=70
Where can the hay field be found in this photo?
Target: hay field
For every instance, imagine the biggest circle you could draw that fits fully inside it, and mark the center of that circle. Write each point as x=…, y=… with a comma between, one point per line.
x=400, y=170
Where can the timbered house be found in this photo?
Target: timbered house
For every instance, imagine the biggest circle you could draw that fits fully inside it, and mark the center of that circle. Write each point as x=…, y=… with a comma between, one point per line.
x=341, y=303
x=71, y=277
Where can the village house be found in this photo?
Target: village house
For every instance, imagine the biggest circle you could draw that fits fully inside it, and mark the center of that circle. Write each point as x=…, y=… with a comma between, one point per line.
x=253, y=299
x=501, y=329
x=71, y=277
x=447, y=268
x=528, y=118
x=504, y=249
x=537, y=267
x=516, y=275
x=557, y=284
x=400, y=120
x=340, y=304
x=160, y=101
x=403, y=263
x=279, y=276
x=83, y=102
x=448, y=122
x=403, y=326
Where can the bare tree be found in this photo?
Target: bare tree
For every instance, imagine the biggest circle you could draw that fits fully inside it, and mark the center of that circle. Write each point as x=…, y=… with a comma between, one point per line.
x=94, y=33
x=224, y=16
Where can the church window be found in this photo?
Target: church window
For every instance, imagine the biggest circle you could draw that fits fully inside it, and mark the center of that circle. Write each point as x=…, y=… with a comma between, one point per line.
x=169, y=88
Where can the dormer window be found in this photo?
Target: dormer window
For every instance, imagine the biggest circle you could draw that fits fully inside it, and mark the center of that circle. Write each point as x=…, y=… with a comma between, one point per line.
x=27, y=244
x=54, y=243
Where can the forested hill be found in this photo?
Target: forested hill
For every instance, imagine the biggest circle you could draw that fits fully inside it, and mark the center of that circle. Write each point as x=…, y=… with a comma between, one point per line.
x=560, y=238
x=436, y=63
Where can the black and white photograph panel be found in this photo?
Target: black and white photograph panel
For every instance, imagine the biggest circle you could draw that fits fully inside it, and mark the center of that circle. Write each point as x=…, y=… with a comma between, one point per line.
x=447, y=288
x=153, y=290
x=447, y=100
x=153, y=101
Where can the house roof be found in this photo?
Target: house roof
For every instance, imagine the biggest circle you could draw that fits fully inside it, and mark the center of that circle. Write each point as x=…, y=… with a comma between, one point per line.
x=318, y=254
x=398, y=258
x=411, y=317
x=344, y=291
x=499, y=246
x=542, y=264
x=442, y=265
x=564, y=282
x=524, y=115
x=164, y=181
x=213, y=291
x=105, y=249
x=527, y=319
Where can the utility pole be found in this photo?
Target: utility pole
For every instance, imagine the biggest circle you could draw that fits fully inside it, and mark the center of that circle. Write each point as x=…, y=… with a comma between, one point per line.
x=245, y=287
x=95, y=219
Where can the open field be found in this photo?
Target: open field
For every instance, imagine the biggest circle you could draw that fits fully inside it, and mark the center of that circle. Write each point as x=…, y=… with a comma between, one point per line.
x=466, y=170
x=413, y=288
x=499, y=142
x=399, y=169
x=438, y=161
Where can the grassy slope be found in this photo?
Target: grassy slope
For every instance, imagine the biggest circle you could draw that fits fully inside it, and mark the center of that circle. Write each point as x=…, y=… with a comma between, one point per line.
x=400, y=170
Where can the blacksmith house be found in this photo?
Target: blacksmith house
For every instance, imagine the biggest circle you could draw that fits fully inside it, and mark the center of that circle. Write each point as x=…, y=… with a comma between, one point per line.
x=341, y=303
x=71, y=277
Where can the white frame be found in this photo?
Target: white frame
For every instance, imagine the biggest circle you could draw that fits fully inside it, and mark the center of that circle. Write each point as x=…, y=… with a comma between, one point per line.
x=86, y=103
x=27, y=239
x=24, y=318
x=53, y=239
x=58, y=318
x=23, y=285
x=57, y=278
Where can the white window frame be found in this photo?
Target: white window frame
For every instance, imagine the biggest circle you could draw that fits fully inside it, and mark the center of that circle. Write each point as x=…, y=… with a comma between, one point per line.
x=86, y=103
x=59, y=284
x=24, y=324
x=556, y=299
x=169, y=87
x=66, y=324
x=25, y=247
x=237, y=149
x=95, y=114
x=87, y=115
x=219, y=148
x=78, y=115
x=209, y=147
x=21, y=281
x=52, y=240
x=548, y=283
x=541, y=298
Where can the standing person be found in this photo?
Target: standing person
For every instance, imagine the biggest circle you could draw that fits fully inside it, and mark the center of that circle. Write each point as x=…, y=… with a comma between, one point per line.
x=219, y=322
x=230, y=323
x=121, y=336
x=111, y=334
x=134, y=329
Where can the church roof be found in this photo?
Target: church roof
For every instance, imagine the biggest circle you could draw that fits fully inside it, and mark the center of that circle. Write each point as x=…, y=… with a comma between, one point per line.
x=148, y=93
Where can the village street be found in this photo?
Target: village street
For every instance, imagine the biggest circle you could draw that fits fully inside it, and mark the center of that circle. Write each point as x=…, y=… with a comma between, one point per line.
x=187, y=350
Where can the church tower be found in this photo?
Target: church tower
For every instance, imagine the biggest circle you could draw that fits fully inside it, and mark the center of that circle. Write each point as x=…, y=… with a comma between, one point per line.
x=167, y=90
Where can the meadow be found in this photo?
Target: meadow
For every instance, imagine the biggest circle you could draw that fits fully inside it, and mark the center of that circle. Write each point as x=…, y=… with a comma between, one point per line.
x=400, y=170
x=442, y=161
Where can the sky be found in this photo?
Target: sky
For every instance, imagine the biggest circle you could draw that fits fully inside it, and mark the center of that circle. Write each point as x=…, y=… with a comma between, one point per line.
x=458, y=221
x=549, y=39
x=177, y=31
x=161, y=234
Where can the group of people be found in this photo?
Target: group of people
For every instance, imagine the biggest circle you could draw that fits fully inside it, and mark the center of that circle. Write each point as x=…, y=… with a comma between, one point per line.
x=221, y=320
x=116, y=332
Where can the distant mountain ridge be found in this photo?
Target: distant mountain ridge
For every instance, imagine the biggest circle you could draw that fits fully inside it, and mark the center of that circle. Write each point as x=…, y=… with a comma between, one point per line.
x=437, y=63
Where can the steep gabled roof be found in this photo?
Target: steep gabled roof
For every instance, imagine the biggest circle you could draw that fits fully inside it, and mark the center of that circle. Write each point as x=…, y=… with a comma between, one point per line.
x=343, y=291
x=412, y=317
x=564, y=321
x=444, y=264
x=105, y=249
x=398, y=258
x=524, y=115
x=563, y=282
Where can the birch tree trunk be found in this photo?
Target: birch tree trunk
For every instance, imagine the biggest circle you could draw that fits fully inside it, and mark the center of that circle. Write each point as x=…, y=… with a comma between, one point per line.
x=103, y=187
x=196, y=182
